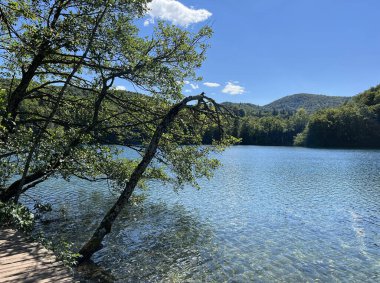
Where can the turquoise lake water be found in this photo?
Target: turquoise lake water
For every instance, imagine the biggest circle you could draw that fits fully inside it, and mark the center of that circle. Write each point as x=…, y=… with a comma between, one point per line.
x=270, y=214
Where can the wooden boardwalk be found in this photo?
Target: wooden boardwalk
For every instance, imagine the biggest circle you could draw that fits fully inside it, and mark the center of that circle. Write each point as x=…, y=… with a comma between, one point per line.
x=23, y=261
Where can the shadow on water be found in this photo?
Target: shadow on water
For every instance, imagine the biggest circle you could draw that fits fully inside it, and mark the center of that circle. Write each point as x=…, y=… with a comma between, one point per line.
x=150, y=242
x=160, y=243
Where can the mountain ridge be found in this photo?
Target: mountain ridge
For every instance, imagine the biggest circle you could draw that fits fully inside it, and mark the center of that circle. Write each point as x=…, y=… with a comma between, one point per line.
x=291, y=103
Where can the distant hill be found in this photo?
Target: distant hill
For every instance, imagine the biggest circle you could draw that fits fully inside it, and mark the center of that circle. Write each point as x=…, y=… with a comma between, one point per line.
x=310, y=102
x=289, y=104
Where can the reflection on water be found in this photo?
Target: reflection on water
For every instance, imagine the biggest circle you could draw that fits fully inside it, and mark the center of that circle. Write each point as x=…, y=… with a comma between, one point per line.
x=270, y=214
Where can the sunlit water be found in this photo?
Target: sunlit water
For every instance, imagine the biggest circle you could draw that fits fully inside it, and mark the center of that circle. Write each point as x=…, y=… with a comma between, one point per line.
x=270, y=214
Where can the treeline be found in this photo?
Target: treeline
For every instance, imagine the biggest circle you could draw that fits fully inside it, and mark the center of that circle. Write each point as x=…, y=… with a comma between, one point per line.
x=270, y=129
x=354, y=124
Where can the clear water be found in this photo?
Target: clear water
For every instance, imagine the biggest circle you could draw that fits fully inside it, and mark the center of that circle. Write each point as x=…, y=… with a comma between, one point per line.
x=270, y=214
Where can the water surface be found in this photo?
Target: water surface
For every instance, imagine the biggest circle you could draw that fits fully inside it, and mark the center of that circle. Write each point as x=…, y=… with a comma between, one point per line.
x=269, y=214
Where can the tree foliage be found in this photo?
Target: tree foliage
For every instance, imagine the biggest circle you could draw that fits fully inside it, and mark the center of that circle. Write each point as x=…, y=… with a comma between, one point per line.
x=59, y=107
x=16, y=215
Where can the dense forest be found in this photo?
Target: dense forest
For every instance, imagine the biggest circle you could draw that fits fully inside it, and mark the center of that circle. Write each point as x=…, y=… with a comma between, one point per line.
x=355, y=124
x=309, y=120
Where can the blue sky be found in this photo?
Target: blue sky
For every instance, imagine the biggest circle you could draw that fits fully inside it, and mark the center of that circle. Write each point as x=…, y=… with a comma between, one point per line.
x=265, y=49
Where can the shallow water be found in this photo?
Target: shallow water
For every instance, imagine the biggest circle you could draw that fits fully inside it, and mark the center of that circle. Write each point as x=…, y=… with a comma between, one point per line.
x=269, y=214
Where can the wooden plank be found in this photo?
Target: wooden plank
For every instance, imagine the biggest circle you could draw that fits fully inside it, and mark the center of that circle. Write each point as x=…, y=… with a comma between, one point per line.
x=28, y=266
x=24, y=261
x=49, y=273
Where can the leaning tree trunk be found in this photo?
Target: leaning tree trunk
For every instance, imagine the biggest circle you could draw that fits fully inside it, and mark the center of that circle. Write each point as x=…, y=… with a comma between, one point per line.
x=95, y=243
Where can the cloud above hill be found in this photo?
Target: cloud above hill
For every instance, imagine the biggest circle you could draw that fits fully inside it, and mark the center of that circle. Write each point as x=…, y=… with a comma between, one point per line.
x=233, y=88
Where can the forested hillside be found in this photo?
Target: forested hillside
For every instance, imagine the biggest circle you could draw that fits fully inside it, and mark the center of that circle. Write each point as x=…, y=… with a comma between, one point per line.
x=289, y=105
x=309, y=102
x=355, y=124
x=323, y=121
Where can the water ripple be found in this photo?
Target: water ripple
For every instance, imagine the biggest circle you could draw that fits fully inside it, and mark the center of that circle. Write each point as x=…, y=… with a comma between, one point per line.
x=270, y=214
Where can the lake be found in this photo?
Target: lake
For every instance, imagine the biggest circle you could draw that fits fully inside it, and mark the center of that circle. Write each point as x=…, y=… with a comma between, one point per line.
x=269, y=214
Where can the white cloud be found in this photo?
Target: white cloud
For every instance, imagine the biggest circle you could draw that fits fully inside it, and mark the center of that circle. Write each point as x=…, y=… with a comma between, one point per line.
x=186, y=82
x=194, y=86
x=175, y=12
x=120, y=87
x=187, y=90
x=233, y=89
x=147, y=22
x=211, y=84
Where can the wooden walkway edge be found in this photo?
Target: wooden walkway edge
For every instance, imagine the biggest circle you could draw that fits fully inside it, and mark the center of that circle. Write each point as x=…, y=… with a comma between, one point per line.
x=24, y=261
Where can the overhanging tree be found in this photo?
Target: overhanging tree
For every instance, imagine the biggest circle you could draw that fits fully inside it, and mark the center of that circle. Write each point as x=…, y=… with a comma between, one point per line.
x=60, y=110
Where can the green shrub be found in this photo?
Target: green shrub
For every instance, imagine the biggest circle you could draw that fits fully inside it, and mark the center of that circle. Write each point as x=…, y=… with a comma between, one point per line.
x=17, y=216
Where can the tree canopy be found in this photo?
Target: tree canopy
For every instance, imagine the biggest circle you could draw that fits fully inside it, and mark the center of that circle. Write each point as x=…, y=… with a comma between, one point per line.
x=59, y=106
